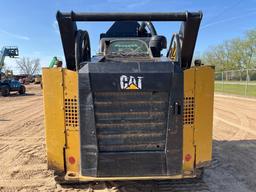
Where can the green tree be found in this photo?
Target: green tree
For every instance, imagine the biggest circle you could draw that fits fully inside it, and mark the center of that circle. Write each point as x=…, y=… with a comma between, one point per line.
x=236, y=54
x=250, y=48
x=220, y=57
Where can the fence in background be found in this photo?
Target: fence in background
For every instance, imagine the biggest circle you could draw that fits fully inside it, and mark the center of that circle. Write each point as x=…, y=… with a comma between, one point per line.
x=240, y=82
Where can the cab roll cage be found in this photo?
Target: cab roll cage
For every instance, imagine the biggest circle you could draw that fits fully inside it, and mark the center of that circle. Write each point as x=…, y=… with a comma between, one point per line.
x=188, y=30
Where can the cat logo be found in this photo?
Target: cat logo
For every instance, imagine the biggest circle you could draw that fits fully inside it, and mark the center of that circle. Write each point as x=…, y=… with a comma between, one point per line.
x=130, y=82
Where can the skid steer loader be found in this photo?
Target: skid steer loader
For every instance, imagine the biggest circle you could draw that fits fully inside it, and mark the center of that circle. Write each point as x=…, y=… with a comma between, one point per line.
x=128, y=113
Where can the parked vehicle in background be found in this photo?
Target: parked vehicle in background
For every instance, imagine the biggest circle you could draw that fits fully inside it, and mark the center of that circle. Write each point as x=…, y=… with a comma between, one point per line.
x=7, y=86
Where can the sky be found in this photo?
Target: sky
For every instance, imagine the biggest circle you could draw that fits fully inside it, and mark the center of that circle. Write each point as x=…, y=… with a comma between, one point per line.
x=31, y=25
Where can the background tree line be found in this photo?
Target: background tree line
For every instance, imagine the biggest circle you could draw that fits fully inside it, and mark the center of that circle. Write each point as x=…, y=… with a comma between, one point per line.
x=235, y=54
x=29, y=66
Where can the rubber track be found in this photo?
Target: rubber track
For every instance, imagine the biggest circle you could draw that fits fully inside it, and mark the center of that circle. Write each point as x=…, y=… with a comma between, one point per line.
x=186, y=185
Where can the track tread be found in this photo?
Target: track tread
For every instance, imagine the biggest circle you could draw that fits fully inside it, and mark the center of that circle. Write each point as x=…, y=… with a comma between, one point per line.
x=185, y=185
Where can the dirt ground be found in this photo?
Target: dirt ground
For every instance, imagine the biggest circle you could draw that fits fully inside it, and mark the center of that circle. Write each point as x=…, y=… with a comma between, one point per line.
x=23, y=159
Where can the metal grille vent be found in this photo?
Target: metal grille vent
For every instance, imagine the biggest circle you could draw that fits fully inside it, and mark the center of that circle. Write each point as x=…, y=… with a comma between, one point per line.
x=131, y=121
x=188, y=115
x=71, y=115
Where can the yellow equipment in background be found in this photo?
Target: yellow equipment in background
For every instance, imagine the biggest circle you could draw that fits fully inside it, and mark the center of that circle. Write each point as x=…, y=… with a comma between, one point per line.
x=37, y=79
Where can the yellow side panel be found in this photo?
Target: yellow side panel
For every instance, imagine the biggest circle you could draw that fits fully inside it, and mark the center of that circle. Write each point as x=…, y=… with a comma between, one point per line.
x=54, y=117
x=71, y=120
x=188, y=127
x=204, y=91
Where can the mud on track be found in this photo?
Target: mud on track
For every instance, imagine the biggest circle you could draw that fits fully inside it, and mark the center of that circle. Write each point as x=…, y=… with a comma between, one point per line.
x=23, y=159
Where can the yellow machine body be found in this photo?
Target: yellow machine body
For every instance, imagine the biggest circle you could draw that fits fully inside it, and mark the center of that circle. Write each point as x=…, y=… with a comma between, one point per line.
x=62, y=123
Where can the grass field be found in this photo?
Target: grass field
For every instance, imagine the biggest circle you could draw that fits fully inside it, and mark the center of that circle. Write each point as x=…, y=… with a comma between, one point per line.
x=238, y=89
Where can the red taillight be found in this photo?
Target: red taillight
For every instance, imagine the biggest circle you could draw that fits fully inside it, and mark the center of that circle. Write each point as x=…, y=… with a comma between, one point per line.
x=71, y=160
x=188, y=157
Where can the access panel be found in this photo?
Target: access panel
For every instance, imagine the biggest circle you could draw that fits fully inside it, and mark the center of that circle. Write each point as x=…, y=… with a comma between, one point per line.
x=131, y=126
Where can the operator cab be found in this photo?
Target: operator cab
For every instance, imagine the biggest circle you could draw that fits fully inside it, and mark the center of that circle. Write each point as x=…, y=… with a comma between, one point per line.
x=135, y=43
